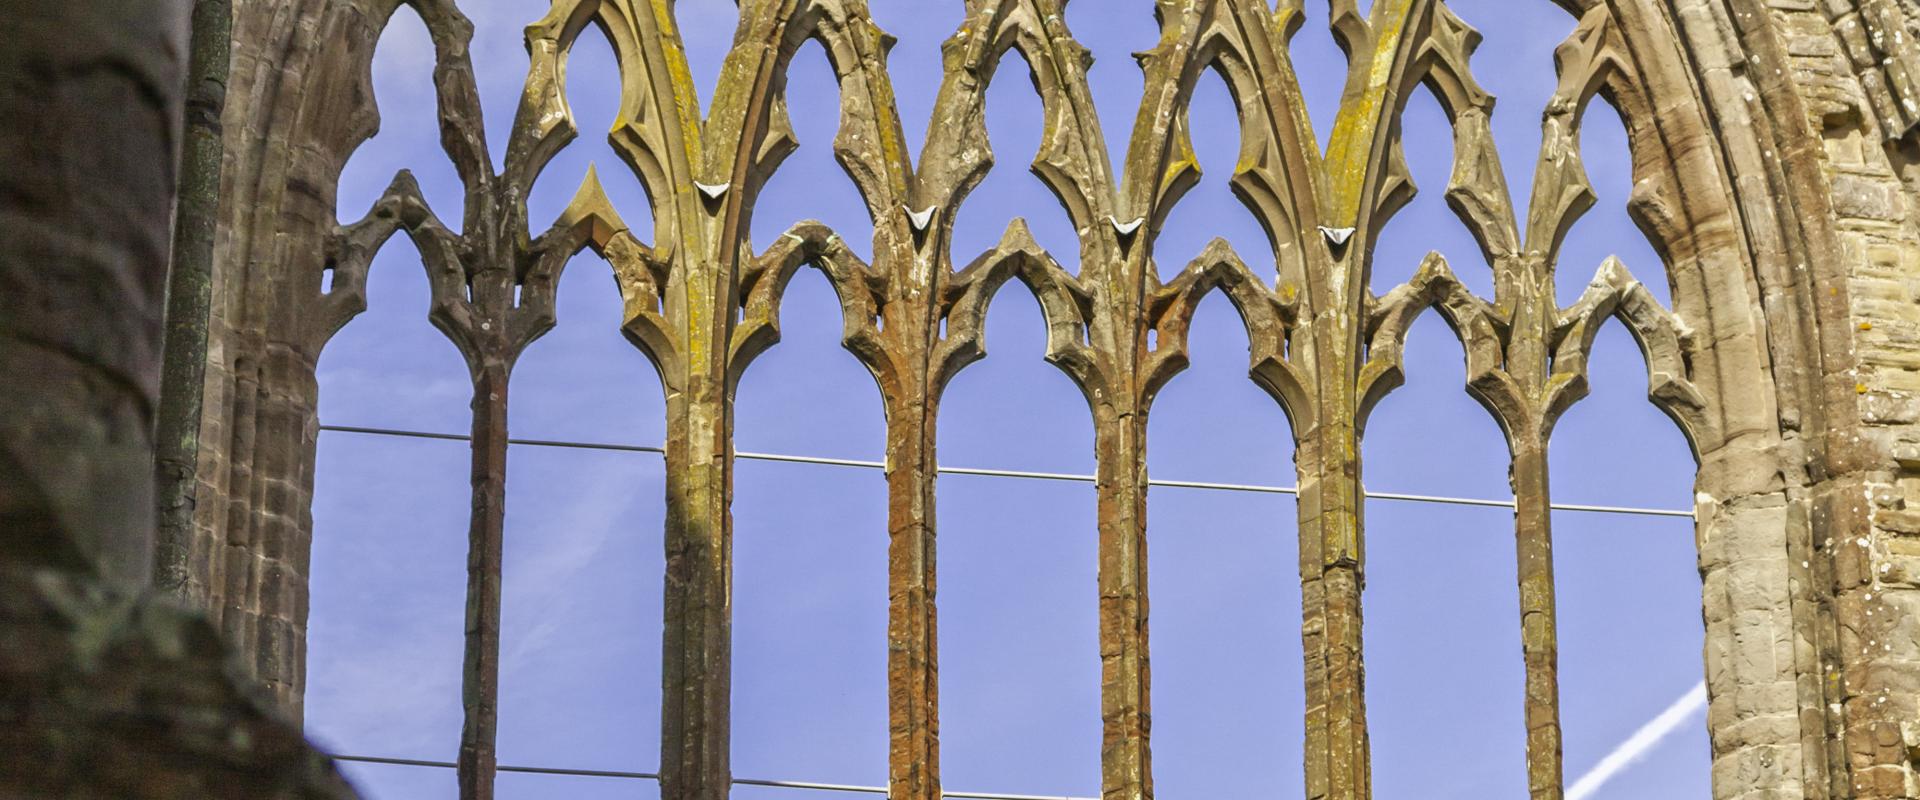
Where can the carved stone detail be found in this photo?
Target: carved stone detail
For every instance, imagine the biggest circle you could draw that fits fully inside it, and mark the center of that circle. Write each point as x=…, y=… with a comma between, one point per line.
x=1745, y=117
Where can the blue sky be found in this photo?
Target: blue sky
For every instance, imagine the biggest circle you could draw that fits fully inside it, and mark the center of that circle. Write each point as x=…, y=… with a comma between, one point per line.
x=1019, y=667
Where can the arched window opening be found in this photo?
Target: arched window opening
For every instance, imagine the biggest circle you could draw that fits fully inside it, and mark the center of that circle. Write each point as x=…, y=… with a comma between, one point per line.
x=499, y=58
x=810, y=539
x=1560, y=543
x=593, y=93
x=1631, y=632
x=583, y=563
x=1633, y=700
x=1015, y=118
x=810, y=557
x=1447, y=607
x=1427, y=224
x=1515, y=64
x=1115, y=79
x=914, y=63
x=706, y=36
x=1210, y=210
x=409, y=136
x=1429, y=437
x=389, y=545
x=1444, y=680
x=1320, y=65
x=1608, y=230
x=1019, y=655
x=384, y=632
x=810, y=184
x=1223, y=575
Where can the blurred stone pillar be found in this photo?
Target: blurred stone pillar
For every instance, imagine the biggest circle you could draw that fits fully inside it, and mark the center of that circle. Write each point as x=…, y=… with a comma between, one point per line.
x=102, y=693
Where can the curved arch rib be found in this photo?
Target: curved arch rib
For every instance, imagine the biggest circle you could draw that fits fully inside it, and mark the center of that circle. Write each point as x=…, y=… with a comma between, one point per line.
x=702, y=306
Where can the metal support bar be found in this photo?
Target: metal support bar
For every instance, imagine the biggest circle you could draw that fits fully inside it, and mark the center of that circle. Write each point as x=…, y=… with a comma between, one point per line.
x=1010, y=473
x=650, y=776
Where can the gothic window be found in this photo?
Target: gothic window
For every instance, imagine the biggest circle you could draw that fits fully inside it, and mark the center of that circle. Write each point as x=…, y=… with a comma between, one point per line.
x=737, y=516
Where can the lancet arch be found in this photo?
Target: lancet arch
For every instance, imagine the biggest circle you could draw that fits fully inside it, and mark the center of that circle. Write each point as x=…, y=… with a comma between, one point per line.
x=1794, y=426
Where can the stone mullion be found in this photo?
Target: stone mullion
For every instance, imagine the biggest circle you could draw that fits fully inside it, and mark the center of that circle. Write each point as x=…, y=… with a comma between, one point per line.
x=1330, y=516
x=912, y=395
x=480, y=675
x=1527, y=286
x=913, y=678
x=473, y=307
x=698, y=639
x=1125, y=756
x=1336, y=673
x=1354, y=189
x=1539, y=629
x=700, y=308
x=1313, y=626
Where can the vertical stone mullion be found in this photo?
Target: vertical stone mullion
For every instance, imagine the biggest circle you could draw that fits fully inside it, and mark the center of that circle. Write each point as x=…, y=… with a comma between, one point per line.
x=1539, y=628
x=480, y=676
x=1331, y=557
x=1331, y=503
x=1528, y=418
x=1125, y=755
x=1313, y=622
x=698, y=640
x=903, y=364
x=913, y=676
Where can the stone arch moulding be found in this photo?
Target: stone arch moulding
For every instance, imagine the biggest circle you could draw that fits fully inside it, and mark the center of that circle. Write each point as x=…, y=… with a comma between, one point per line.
x=1774, y=171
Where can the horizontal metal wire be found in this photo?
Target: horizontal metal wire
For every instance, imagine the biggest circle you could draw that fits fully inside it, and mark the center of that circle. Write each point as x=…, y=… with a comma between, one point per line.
x=590, y=773
x=1010, y=473
x=602, y=773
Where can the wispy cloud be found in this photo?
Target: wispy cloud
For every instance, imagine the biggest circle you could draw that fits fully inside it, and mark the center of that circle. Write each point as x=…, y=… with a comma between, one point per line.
x=1637, y=746
x=582, y=512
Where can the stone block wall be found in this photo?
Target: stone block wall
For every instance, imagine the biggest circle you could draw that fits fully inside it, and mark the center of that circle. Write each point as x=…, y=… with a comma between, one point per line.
x=1855, y=61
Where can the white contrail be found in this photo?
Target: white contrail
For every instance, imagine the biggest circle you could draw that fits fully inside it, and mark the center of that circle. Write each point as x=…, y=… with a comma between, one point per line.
x=1640, y=743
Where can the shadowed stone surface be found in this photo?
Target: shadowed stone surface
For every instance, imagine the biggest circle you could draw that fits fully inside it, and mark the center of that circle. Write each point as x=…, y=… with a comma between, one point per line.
x=107, y=696
x=104, y=691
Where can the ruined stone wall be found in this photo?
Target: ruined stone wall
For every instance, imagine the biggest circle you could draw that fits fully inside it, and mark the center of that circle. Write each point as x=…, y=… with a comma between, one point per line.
x=299, y=101
x=1776, y=169
x=1857, y=67
x=106, y=691
x=1842, y=136
x=1812, y=104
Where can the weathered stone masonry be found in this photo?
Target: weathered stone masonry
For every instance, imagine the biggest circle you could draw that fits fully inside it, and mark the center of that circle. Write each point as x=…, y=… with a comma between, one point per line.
x=106, y=690
x=1777, y=167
